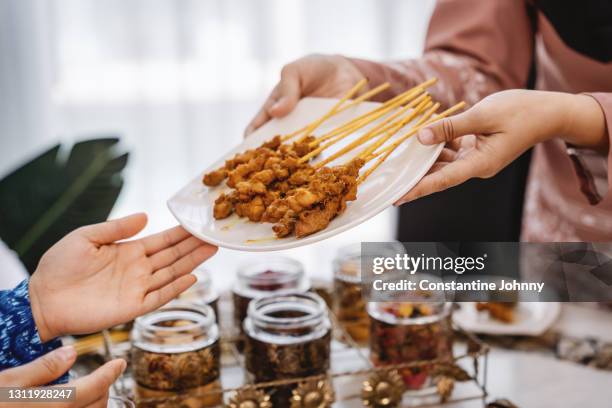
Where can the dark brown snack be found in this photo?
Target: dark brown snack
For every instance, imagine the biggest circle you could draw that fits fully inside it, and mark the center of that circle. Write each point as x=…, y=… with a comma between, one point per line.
x=350, y=309
x=266, y=278
x=287, y=337
x=410, y=332
x=176, y=357
x=176, y=371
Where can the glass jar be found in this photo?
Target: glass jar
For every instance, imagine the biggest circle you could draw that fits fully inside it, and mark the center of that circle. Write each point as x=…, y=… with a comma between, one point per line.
x=287, y=336
x=202, y=292
x=265, y=278
x=176, y=350
x=402, y=332
x=348, y=304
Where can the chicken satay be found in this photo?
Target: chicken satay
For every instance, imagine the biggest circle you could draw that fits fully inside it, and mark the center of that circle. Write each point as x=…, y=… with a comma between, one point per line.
x=316, y=219
x=274, y=143
x=301, y=176
x=302, y=148
x=275, y=211
x=253, y=210
x=223, y=207
x=215, y=177
x=265, y=176
x=285, y=225
x=243, y=171
x=247, y=189
x=302, y=199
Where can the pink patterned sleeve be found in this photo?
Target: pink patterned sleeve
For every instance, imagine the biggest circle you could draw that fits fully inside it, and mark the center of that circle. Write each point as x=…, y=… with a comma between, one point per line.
x=474, y=48
x=592, y=168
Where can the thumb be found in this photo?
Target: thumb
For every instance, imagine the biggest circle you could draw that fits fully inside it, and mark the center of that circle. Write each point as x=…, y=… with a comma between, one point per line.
x=445, y=130
x=41, y=371
x=288, y=92
x=94, y=386
x=115, y=230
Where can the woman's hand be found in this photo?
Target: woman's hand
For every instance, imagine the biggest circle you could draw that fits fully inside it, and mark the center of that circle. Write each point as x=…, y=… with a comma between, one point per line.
x=314, y=75
x=90, y=391
x=88, y=281
x=486, y=138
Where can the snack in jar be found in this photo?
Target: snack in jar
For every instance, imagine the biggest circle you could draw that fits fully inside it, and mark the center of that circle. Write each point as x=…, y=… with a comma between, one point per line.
x=348, y=303
x=287, y=337
x=264, y=278
x=405, y=332
x=175, y=353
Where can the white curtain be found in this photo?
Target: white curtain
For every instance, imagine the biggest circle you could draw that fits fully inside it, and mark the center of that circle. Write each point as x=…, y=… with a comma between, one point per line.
x=178, y=79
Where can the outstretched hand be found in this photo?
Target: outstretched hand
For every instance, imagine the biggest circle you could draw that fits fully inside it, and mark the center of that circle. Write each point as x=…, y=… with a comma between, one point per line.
x=88, y=281
x=483, y=140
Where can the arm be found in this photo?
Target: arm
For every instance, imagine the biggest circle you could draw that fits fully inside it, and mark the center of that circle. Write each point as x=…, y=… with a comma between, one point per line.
x=19, y=339
x=474, y=47
x=486, y=138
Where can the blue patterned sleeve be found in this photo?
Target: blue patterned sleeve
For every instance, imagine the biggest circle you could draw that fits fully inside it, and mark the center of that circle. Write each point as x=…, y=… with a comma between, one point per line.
x=19, y=340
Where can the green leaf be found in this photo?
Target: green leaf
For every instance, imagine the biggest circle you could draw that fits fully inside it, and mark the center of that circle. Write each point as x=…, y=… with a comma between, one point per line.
x=50, y=196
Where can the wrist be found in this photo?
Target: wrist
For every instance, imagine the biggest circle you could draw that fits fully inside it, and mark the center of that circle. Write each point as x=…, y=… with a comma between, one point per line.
x=44, y=331
x=584, y=123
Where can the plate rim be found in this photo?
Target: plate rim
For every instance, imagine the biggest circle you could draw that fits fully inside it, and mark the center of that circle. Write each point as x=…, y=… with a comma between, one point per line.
x=317, y=237
x=509, y=329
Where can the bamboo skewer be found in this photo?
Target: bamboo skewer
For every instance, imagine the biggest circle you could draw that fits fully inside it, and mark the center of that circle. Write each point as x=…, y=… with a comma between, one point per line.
x=371, y=93
x=394, y=146
x=312, y=126
x=352, y=92
x=378, y=129
x=392, y=128
x=405, y=96
x=365, y=119
x=420, y=108
x=306, y=129
x=418, y=127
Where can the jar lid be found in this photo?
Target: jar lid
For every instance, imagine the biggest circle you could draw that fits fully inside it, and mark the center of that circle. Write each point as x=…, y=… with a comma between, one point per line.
x=202, y=291
x=176, y=328
x=347, y=263
x=409, y=313
x=348, y=260
x=270, y=276
x=287, y=319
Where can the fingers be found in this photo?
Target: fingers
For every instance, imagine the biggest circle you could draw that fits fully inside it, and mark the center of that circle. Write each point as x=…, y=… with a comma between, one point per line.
x=93, y=387
x=158, y=298
x=115, y=230
x=41, y=371
x=183, y=265
x=282, y=99
x=446, y=177
x=262, y=116
x=447, y=155
x=163, y=240
x=170, y=255
x=289, y=92
x=450, y=128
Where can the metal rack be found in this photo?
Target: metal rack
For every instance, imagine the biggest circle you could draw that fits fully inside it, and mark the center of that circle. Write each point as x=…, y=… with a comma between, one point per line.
x=350, y=368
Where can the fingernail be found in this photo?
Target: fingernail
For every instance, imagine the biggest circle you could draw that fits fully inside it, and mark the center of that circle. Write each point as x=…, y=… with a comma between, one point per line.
x=248, y=130
x=426, y=136
x=66, y=353
x=123, y=366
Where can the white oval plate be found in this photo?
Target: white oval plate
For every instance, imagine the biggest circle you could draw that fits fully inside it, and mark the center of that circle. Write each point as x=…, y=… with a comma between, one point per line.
x=531, y=319
x=192, y=205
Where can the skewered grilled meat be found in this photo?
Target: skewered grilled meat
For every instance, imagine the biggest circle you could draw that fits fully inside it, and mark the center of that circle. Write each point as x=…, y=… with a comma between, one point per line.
x=282, y=159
